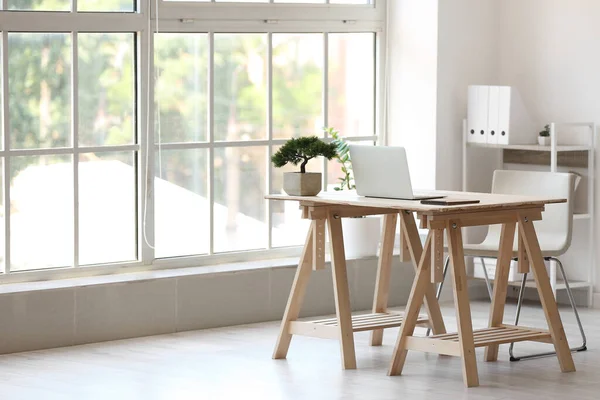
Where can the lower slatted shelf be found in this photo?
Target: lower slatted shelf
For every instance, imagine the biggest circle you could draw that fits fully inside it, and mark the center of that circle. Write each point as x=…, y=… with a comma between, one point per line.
x=369, y=322
x=500, y=335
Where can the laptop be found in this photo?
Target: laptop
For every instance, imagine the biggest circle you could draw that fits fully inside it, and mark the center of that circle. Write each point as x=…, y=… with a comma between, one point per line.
x=382, y=171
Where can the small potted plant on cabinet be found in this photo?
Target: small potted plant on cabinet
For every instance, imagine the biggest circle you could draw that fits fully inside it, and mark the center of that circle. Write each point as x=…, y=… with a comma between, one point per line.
x=544, y=137
x=361, y=234
x=300, y=151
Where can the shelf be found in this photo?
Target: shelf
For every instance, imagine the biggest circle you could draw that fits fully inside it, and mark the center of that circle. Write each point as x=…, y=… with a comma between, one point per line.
x=328, y=328
x=368, y=322
x=449, y=344
x=560, y=284
x=500, y=335
x=582, y=216
x=531, y=147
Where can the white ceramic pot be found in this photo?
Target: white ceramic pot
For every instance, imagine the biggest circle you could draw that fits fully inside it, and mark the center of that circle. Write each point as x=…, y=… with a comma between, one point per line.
x=544, y=140
x=361, y=236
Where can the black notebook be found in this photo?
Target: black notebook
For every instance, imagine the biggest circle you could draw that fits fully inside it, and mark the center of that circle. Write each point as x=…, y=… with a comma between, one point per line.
x=448, y=202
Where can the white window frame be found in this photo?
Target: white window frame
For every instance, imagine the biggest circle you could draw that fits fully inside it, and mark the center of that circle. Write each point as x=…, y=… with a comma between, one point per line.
x=188, y=17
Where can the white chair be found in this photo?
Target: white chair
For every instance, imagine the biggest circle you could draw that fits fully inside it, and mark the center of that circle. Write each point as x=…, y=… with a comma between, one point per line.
x=554, y=231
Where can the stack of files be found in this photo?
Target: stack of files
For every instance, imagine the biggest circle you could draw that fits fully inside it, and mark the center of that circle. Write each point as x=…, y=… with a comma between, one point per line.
x=497, y=115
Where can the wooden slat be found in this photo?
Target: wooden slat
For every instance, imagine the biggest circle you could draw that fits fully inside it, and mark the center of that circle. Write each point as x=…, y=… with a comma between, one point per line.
x=437, y=256
x=357, y=317
x=523, y=260
x=384, y=267
x=304, y=212
x=296, y=298
x=462, y=306
x=341, y=292
x=527, y=328
x=347, y=211
x=546, y=295
x=314, y=330
x=318, y=256
x=404, y=251
x=507, y=236
x=483, y=218
x=454, y=335
x=390, y=318
x=433, y=346
x=516, y=337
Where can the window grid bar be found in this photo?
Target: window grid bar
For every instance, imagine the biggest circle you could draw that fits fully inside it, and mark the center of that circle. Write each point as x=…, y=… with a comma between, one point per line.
x=67, y=150
x=379, y=87
x=6, y=138
x=74, y=6
x=145, y=154
x=325, y=101
x=75, y=140
x=269, y=116
x=211, y=141
x=243, y=143
x=66, y=22
x=249, y=143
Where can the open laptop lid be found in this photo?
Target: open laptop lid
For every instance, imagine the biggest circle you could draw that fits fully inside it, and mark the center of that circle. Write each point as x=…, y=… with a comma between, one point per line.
x=381, y=171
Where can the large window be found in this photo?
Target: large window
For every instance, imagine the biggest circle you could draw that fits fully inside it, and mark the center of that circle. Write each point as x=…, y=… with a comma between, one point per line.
x=97, y=176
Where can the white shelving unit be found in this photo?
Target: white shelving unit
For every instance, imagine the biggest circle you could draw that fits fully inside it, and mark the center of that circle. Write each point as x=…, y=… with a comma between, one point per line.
x=580, y=142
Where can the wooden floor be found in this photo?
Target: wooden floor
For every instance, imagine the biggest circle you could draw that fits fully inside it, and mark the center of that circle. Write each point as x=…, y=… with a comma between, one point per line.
x=235, y=363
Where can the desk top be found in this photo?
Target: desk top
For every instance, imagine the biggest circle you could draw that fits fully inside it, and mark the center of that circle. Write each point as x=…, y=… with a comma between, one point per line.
x=488, y=202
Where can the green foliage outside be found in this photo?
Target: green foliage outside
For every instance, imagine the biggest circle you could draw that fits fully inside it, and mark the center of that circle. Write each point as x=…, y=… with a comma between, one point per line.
x=302, y=150
x=40, y=103
x=342, y=157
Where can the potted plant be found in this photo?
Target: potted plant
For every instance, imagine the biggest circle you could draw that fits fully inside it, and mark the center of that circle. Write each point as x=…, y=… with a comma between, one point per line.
x=300, y=151
x=544, y=137
x=361, y=234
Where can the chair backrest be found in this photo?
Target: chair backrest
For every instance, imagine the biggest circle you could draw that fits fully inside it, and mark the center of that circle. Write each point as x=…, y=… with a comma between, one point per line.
x=557, y=219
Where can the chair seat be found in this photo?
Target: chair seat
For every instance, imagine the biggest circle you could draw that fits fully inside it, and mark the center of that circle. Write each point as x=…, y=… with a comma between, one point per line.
x=551, y=245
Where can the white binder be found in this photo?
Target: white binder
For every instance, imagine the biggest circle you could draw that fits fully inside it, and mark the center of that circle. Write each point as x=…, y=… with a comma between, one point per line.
x=493, y=115
x=477, y=120
x=515, y=124
x=504, y=114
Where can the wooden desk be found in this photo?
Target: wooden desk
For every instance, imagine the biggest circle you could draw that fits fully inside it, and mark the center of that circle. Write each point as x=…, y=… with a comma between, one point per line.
x=510, y=211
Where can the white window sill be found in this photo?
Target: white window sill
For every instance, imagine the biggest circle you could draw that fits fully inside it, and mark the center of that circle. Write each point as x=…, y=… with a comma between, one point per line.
x=126, y=277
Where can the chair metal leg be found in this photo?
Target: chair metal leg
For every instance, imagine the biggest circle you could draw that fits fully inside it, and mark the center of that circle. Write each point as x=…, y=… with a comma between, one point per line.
x=441, y=285
x=487, y=278
x=583, y=346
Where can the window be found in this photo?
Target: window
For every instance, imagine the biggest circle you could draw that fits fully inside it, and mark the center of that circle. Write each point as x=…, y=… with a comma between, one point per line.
x=70, y=134
x=95, y=176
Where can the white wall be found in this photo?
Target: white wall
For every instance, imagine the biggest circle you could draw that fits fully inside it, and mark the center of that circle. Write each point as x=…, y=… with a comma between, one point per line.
x=467, y=55
x=549, y=51
x=412, y=66
x=436, y=49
